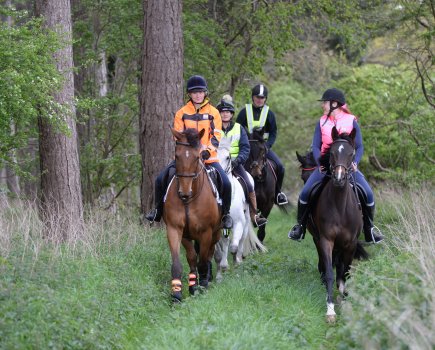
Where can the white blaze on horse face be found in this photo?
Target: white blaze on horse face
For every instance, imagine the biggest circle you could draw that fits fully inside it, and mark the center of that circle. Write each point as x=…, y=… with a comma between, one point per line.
x=187, y=154
x=340, y=173
x=340, y=148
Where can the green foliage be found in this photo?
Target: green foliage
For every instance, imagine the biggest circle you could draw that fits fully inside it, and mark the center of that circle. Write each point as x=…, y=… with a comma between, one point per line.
x=108, y=152
x=28, y=77
x=396, y=123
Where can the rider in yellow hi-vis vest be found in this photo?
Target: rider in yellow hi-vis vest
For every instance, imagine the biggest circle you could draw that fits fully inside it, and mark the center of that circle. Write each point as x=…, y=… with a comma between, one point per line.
x=239, y=152
x=258, y=114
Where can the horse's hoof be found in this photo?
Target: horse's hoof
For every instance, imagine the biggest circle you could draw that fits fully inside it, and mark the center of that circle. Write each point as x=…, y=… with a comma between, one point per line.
x=193, y=289
x=331, y=319
x=203, y=283
x=177, y=297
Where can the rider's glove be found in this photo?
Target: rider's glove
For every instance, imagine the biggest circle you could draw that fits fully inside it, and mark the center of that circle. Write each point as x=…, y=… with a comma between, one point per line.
x=205, y=154
x=235, y=163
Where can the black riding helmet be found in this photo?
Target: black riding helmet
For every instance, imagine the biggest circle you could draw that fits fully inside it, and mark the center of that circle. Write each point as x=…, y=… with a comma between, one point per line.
x=259, y=90
x=196, y=82
x=334, y=95
x=225, y=105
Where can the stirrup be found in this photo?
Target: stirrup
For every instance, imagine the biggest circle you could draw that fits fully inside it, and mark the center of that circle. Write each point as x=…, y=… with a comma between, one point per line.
x=151, y=215
x=227, y=221
x=376, y=235
x=259, y=218
x=283, y=200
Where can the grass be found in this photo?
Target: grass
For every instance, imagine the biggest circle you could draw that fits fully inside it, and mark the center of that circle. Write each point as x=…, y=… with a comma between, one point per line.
x=111, y=290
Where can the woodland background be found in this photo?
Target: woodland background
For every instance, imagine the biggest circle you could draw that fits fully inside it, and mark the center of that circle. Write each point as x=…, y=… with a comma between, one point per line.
x=130, y=59
x=87, y=90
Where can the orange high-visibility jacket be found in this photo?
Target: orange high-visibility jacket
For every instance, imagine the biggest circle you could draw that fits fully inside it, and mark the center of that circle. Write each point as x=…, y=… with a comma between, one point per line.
x=206, y=117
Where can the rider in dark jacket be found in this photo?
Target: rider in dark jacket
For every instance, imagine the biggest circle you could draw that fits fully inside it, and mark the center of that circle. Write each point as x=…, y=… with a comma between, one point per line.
x=258, y=114
x=336, y=114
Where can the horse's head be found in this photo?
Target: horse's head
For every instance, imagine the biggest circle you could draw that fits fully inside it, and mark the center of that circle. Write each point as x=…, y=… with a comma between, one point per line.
x=224, y=154
x=308, y=165
x=257, y=157
x=187, y=159
x=341, y=156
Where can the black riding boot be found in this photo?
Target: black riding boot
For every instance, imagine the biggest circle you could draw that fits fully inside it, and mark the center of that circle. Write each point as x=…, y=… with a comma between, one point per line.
x=297, y=233
x=156, y=213
x=371, y=232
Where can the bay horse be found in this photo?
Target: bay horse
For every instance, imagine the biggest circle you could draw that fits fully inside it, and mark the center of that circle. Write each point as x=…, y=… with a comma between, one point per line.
x=241, y=240
x=336, y=220
x=191, y=213
x=263, y=172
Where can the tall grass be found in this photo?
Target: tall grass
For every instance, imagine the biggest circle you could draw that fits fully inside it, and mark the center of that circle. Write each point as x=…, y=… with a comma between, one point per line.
x=392, y=303
x=109, y=288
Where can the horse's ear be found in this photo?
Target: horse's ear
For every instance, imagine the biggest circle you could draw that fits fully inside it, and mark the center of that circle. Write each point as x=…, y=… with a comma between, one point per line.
x=201, y=133
x=176, y=134
x=334, y=133
x=352, y=134
x=300, y=158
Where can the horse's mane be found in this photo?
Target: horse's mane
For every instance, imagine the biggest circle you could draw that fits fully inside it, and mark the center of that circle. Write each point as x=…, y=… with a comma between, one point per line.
x=192, y=137
x=324, y=159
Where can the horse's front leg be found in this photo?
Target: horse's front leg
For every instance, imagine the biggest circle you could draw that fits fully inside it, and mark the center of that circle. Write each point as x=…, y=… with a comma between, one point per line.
x=174, y=240
x=191, y=260
x=343, y=268
x=326, y=250
x=205, y=255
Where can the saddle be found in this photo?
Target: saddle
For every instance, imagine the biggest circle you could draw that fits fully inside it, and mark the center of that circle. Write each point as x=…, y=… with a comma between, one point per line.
x=243, y=184
x=212, y=175
x=317, y=190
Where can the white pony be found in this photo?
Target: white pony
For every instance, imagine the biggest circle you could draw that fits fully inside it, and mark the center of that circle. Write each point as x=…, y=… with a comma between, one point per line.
x=242, y=239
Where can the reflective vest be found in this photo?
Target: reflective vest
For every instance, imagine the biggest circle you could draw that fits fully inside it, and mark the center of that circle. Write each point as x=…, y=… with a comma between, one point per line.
x=234, y=136
x=343, y=122
x=257, y=123
x=206, y=117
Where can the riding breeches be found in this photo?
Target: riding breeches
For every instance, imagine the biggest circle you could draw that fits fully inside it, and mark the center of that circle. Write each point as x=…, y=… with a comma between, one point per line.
x=240, y=171
x=279, y=169
x=362, y=183
x=317, y=177
x=226, y=183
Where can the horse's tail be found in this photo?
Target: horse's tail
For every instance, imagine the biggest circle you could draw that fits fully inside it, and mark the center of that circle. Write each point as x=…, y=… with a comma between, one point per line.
x=360, y=252
x=252, y=244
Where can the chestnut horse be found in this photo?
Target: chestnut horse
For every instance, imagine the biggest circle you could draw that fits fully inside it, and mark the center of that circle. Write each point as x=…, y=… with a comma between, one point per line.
x=191, y=213
x=336, y=220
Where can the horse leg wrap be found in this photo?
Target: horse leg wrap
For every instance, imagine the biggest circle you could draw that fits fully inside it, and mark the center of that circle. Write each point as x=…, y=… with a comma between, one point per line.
x=193, y=283
x=176, y=290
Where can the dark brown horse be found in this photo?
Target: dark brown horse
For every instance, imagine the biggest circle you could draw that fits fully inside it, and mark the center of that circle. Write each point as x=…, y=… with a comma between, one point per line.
x=263, y=171
x=308, y=165
x=191, y=213
x=336, y=220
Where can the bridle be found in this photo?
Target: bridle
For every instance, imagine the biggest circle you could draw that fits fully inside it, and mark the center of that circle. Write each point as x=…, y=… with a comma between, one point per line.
x=192, y=175
x=255, y=163
x=346, y=167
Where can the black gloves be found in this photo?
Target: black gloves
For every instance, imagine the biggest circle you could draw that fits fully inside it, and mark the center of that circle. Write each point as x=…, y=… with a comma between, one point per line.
x=235, y=163
x=205, y=154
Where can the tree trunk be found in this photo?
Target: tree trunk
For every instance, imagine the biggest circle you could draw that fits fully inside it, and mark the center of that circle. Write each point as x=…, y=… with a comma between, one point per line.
x=161, y=93
x=61, y=197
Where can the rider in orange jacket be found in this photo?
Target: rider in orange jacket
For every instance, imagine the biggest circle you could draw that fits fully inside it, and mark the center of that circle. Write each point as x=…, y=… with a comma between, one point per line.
x=198, y=114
